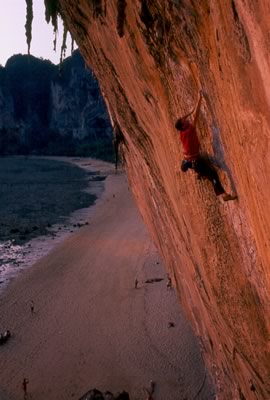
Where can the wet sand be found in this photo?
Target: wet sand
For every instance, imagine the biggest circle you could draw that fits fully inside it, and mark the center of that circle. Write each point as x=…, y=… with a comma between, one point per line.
x=90, y=326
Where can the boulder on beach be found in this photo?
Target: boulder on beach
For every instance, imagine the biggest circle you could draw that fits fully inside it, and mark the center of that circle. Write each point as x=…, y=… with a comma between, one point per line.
x=95, y=394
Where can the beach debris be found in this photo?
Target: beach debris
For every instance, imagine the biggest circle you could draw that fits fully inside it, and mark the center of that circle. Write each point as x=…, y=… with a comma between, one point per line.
x=171, y=325
x=108, y=396
x=97, y=178
x=80, y=224
x=136, y=283
x=122, y=396
x=32, y=307
x=95, y=394
x=153, y=280
x=150, y=391
x=24, y=387
x=4, y=337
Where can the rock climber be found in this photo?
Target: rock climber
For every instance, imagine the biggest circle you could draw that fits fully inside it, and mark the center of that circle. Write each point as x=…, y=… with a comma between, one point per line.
x=118, y=138
x=192, y=156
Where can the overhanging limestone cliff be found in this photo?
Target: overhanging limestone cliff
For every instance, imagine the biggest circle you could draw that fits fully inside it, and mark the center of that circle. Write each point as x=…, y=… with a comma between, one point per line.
x=150, y=58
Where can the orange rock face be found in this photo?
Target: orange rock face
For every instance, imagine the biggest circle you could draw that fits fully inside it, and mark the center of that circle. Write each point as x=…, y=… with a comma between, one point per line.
x=151, y=57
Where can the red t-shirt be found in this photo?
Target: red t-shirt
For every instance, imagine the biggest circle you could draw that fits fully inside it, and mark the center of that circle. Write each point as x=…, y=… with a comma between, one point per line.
x=190, y=142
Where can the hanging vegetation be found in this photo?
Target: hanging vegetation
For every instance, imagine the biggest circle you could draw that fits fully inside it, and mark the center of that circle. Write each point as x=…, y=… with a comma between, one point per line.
x=28, y=24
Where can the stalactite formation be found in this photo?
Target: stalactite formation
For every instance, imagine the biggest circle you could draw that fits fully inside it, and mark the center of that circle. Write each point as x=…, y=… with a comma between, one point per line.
x=64, y=43
x=52, y=11
x=51, y=14
x=28, y=24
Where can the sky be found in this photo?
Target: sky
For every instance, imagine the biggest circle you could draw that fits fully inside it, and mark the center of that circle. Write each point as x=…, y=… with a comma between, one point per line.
x=12, y=32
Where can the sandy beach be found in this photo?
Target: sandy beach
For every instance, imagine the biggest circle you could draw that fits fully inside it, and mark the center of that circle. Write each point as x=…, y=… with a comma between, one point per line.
x=90, y=326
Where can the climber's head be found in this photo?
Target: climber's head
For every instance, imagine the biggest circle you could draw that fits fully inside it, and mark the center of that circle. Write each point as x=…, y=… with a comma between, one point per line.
x=182, y=124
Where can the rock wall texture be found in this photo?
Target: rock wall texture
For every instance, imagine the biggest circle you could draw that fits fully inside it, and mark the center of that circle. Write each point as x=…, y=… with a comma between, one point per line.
x=151, y=57
x=51, y=109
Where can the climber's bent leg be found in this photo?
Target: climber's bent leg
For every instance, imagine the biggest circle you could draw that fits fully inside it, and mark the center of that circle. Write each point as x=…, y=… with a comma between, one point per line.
x=185, y=165
x=204, y=169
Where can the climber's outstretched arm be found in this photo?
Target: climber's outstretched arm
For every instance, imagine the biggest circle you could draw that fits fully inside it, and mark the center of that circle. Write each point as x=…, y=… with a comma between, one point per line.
x=197, y=109
x=189, y=114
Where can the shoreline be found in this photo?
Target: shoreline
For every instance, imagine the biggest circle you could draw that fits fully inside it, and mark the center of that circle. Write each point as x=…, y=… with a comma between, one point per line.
x=90, y=326
x=19, y=257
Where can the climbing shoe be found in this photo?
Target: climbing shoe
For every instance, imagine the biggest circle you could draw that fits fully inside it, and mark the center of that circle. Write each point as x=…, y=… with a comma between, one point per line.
x=228, y=197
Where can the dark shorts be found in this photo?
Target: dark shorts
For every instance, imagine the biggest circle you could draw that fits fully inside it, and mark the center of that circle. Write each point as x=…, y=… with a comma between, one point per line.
x=204, y=169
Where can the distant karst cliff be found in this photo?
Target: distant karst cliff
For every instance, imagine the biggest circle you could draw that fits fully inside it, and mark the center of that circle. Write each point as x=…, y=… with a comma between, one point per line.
x=151, y=57
x=48, y=109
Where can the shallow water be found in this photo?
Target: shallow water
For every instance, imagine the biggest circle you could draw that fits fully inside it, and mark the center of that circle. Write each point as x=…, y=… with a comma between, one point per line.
x=41, y=202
